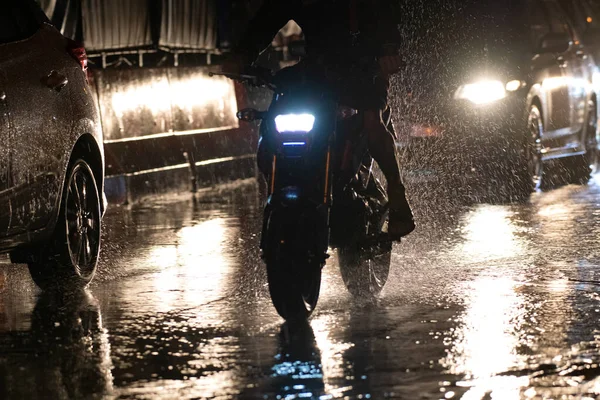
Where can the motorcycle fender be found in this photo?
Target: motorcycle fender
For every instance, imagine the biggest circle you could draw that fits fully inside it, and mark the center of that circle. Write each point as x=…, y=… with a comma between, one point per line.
x=301, y=230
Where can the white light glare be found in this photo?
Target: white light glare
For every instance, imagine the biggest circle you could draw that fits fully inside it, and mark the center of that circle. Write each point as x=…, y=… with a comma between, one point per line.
x=482, y=92
x=294, y=123
x=514, y=85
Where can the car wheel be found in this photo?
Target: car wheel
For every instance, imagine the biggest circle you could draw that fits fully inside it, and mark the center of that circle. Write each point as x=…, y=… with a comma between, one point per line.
x=578, y=169
x=591, y=140
x=535, y=165
x=69, y=258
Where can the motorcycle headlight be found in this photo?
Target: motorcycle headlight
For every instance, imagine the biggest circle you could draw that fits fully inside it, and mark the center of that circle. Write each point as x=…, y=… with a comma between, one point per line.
x=298, y=123
x=482, y=92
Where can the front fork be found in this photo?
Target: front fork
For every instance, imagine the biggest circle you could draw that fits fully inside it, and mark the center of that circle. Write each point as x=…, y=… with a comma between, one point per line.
x=313, y=222
x=272, y=175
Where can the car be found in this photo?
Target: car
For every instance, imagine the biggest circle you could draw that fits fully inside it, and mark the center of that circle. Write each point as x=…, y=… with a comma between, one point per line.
x=51, y=154
x=495, y=91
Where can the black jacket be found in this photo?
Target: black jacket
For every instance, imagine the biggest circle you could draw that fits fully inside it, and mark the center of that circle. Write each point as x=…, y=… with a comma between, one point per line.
x=332, y=28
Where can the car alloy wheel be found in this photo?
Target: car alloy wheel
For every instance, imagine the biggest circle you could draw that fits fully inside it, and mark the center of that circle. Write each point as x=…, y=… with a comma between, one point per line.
x=534, y=151
x=82, y=221
x=69, y=258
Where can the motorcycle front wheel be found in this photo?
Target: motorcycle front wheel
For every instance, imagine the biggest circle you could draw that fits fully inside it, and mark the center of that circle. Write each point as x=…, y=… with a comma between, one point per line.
x=294, y=276
x=294, y=296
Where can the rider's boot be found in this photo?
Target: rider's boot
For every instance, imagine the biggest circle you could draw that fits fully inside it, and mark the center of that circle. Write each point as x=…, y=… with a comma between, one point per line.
x=382, y=147
x=401, y=221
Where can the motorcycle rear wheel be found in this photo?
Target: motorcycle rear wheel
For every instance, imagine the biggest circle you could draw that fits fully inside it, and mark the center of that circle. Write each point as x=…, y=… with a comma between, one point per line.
x=364, y=273
x=365, y=269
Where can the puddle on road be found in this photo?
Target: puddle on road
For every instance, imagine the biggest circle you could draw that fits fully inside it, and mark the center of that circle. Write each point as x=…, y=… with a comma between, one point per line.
x=64, y=353
x=488, y=301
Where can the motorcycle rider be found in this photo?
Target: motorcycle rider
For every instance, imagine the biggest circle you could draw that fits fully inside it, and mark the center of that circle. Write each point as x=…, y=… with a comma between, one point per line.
x=357, y=43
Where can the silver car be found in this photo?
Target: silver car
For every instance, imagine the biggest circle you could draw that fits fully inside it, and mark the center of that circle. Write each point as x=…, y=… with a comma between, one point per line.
x=51, y=155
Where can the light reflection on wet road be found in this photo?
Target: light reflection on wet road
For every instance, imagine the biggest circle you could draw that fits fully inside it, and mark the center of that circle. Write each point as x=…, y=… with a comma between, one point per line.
x=484, y=301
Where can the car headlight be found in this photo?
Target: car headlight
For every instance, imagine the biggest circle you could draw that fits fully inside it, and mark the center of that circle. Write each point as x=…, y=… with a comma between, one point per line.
x=298, y=123
x=482, y=92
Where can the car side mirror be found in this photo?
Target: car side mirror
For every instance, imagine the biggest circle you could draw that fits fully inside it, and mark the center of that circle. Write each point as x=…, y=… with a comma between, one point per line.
x=249, y=115
x=555, y=42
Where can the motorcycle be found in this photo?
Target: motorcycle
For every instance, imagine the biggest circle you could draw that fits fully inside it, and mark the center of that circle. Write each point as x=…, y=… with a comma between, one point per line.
x=322, y=192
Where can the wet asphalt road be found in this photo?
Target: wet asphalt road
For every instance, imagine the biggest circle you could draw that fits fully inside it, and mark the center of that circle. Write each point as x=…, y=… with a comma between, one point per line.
x=484, y=301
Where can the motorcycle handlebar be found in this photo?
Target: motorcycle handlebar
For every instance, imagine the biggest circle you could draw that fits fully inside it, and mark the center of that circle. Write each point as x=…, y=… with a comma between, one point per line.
x=231, y=76
x=259, y=78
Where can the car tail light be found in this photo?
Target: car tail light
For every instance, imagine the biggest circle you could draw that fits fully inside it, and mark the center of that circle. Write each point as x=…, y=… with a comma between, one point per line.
x=77, y=51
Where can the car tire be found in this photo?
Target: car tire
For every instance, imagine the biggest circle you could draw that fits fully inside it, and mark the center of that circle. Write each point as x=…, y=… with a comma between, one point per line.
x=528, y=168
x=533, y=151
x=579, y=169
x=593, y=153
x=592, y=139
x=69, y=258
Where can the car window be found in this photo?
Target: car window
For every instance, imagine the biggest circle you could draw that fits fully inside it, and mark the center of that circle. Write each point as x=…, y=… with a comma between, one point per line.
x=17, y=21
x=548, y=17
x=558, y=20
x=539, y=22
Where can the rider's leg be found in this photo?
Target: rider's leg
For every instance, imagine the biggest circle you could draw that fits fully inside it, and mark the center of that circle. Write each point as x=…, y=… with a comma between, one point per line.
x=367, y=90
x=383, y=149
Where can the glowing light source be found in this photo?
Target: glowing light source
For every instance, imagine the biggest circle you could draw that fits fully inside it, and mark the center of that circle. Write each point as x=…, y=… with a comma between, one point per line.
x=291, y=193
x=184, y=99
x=294, y=143
x=154, y=96
x=554, y=82
x=513, y=85
x=482, y=92
x=589, y=20
x=294, y=123
x=160, y=95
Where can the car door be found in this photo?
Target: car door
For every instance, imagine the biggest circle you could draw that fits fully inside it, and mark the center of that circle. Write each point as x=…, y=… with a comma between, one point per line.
x=34, y=61
x=574, y=63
